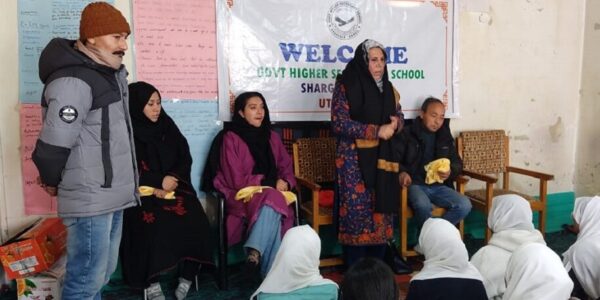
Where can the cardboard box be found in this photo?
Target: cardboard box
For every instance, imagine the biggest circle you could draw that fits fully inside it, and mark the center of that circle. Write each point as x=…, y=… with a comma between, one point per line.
x=44, y=286
x=35, y=249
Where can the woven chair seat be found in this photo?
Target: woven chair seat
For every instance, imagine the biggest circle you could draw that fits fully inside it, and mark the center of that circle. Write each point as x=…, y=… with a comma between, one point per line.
x=315, y=159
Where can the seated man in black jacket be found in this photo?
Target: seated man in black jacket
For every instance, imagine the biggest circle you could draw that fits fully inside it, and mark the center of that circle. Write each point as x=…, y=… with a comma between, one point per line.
x=427, y=139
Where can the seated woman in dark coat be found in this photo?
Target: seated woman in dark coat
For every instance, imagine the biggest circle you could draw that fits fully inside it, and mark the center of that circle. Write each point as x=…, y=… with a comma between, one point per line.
x=166, y=230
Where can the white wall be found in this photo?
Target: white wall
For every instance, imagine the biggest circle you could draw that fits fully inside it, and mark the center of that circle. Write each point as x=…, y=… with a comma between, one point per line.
x=520, y=70
x=520, y=66
x=587, y=176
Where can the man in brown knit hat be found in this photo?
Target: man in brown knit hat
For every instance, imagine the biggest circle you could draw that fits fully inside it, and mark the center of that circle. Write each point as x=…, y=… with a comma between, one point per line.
x=85, y=149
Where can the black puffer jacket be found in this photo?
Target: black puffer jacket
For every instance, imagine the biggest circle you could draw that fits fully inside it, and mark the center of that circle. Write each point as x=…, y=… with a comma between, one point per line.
x=409, y=148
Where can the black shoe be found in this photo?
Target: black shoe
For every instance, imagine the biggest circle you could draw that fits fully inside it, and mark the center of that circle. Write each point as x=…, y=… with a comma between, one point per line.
x=251, y=269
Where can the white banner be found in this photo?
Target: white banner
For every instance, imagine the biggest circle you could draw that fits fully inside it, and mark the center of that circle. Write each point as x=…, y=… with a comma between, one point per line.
x=291, y=51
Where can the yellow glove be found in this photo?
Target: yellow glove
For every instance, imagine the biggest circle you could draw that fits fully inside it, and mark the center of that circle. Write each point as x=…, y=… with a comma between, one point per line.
x=246, y=194
x=432, y=169
x=149, y=191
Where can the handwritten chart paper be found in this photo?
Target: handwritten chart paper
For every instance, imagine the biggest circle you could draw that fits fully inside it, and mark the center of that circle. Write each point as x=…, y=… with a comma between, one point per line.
x=37, y=201
x=39, y=22
x=175, y=47
x=197, y=122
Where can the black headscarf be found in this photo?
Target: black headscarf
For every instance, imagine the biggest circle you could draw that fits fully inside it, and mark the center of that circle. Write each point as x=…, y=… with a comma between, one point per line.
x=370, y=105
x=257, y=138
x=367, y=103
x=158, y=144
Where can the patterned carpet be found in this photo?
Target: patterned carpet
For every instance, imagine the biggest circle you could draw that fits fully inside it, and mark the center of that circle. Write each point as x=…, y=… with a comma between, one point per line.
x=242, y=288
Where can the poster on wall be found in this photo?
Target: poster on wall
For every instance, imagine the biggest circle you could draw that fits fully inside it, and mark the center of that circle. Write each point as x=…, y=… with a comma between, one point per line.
x=175, y=47
x=38, y=23
x=197, y=121
x=292, y=51
x=37, y=201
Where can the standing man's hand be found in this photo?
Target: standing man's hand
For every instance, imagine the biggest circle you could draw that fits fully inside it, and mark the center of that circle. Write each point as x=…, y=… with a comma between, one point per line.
x=50, y=190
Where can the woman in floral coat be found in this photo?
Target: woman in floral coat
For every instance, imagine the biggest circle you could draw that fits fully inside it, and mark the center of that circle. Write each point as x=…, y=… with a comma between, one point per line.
x=365, y=115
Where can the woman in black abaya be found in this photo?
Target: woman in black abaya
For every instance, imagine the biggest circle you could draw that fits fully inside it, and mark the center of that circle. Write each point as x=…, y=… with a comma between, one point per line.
x=162, y=233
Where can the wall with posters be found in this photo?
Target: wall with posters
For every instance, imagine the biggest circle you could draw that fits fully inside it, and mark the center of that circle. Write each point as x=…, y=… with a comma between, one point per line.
x=174, y=49
x=520, y=68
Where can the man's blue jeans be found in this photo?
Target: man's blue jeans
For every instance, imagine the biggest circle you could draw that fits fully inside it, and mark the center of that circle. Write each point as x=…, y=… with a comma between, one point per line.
x=92, y=254
x=421, y=198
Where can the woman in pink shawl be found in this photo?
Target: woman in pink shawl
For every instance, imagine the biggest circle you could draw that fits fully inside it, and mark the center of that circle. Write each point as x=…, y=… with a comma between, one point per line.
x=253, y=155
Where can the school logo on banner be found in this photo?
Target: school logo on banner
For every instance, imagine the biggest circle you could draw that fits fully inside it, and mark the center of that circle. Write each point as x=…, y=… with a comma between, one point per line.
x=344, y=20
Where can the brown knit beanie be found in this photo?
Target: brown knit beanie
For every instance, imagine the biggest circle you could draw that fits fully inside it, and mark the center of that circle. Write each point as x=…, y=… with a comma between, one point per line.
x=101, y=18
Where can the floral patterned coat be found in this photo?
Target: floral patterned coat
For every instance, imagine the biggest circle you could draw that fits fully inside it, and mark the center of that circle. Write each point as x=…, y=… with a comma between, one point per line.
x=359, y=225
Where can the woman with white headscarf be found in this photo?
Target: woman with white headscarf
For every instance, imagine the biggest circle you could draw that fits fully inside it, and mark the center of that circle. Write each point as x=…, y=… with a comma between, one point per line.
x=582, y=260
x=446, y=273
x=534, y=271
x=295, y=271
x=510, y=220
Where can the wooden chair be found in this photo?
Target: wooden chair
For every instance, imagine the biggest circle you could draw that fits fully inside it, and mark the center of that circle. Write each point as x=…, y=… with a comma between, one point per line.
x=314, y=165
x=486, y=152
x=406, y=213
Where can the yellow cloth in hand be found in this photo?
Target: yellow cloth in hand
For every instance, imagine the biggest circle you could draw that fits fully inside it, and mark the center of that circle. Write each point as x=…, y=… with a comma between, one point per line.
x=149, y=191
x=246, y=194
x=432, y=169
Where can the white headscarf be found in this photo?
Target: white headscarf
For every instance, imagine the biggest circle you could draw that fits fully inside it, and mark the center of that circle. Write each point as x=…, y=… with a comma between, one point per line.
x=585, y=261
x=534, y=271
x=296, y=263
x=445, y=253
x=510, y=219
x=586, y=213
x=510, y=212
